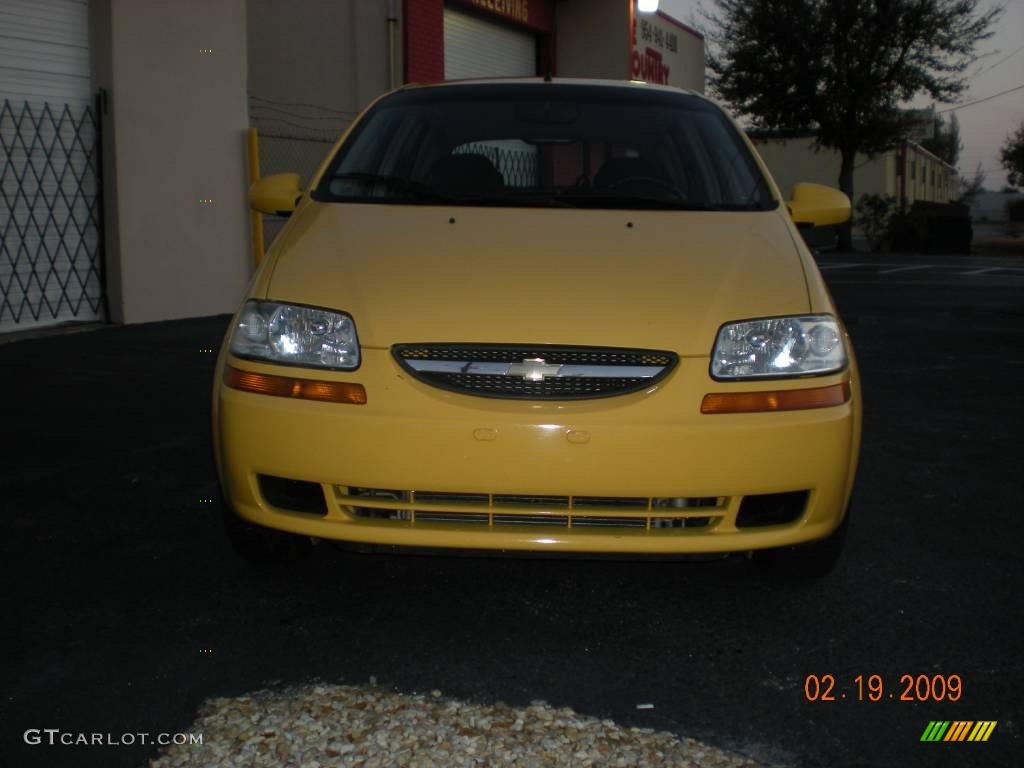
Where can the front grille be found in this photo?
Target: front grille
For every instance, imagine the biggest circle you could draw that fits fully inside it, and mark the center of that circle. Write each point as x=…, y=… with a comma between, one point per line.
x=564, y=355
x=534, y=372
x=553, y=389
x=657, y=515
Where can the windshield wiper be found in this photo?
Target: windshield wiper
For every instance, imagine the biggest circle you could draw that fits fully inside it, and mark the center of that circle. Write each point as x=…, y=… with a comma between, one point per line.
x=592, y=199
x=414, y=190
x=499, y=201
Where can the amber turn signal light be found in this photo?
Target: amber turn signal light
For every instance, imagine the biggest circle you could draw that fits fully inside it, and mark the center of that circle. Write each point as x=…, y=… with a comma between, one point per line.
x=286, y=386
x=782, y=400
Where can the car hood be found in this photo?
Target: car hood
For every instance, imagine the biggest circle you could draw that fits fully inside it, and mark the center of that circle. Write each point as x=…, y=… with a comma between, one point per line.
x=645, y=279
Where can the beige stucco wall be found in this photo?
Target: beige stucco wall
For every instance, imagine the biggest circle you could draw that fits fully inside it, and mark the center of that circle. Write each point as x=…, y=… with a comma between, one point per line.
x=311, y=71
x=592, y=39
x=928, y=178
x=692, y=50
x=328, y=53
x=794, y=160
x=174, y=129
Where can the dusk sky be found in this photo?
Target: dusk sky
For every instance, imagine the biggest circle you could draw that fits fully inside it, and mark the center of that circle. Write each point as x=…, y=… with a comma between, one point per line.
x=984, y=126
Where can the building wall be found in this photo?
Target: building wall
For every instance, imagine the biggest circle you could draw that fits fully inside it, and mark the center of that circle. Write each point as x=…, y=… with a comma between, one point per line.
x=794, y=160
x=174, y=124
x=424, y=41
x=536, y=14
x=101, y=65
x=592, y=39
x=312, y=68
x=928, y=178
x=424, y=31
x=609, y=39
x=693, y=59
x=666, y=51
x=330, y=53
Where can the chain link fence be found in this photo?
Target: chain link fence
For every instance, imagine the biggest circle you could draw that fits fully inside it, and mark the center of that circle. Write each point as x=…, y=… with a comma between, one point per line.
x=518, y=167
x=51, y=234
x=284, y=153
x=293, y=138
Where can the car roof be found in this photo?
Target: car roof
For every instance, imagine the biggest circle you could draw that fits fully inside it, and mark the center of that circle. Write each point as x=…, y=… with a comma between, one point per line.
x=639, y=85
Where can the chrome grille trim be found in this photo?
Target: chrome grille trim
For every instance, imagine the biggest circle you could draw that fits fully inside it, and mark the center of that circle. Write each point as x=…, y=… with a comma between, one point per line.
x=564, y=371
x=534, y=372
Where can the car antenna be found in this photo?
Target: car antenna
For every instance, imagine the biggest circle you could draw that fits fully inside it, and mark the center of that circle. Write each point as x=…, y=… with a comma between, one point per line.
x=547, y=76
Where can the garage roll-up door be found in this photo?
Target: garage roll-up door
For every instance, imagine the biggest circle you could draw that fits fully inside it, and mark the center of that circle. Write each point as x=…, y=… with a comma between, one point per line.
x=44, y=51
x=477, y=47
x=49, y=212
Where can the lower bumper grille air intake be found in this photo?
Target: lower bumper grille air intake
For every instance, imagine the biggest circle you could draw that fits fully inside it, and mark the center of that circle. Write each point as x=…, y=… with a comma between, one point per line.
x=640, y=514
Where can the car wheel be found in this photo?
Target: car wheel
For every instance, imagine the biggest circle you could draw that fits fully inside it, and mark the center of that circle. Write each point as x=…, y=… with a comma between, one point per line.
x=263, y=545
x=805, y=561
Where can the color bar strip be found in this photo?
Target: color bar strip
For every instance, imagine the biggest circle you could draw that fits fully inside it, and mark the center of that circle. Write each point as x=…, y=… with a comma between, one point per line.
x=935, y=730
x=959, y=730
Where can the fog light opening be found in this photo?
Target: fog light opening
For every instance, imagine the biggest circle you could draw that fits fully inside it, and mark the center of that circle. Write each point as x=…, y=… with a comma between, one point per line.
x=293, y=495
x=771, y=509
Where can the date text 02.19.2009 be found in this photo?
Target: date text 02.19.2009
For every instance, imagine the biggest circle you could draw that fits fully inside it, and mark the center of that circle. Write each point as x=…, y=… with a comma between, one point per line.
x=918, y=688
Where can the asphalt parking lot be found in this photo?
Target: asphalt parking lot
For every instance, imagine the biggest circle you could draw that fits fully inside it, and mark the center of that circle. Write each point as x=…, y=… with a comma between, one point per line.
x=125, y=609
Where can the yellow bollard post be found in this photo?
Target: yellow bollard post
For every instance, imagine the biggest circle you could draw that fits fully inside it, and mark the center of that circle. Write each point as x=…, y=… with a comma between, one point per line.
x=253, y=141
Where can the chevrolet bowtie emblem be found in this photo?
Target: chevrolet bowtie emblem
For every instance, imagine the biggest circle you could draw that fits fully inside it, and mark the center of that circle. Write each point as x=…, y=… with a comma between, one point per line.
x=533, y=369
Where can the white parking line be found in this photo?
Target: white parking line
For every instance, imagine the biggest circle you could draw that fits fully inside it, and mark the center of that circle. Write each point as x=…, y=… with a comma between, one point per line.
x=906, y=269
x=960, y=270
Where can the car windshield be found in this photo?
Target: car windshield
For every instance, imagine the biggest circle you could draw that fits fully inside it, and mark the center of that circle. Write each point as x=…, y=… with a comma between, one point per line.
x=547, y=145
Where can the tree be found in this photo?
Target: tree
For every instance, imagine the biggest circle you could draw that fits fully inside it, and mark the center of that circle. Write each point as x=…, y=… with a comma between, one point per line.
x=945, y=144
x=971, y=188
x=1012, y=156
x=841, y=67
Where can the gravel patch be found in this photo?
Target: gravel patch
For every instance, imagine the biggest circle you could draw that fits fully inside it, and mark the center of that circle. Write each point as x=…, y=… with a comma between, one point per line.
x=318, y=726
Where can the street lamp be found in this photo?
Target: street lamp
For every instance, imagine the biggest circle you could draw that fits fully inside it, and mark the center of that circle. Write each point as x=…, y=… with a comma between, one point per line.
x=647, y=6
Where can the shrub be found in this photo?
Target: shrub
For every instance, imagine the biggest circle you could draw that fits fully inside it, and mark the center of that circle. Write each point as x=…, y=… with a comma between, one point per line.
x=932, y=228
x=873, y=213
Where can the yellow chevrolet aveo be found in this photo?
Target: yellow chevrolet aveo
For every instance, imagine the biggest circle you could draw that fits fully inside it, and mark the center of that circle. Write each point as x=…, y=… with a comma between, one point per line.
x=565, y=316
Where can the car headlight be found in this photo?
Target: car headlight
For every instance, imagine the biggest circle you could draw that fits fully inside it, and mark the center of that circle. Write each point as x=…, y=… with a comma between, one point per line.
x=778, y=346
x=296, y=335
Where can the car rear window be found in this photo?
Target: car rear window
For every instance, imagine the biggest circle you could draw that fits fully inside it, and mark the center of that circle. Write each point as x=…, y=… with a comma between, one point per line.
x=546, y=145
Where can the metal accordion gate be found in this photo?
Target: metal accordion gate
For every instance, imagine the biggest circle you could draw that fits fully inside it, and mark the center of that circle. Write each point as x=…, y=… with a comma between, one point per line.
x=51, y=223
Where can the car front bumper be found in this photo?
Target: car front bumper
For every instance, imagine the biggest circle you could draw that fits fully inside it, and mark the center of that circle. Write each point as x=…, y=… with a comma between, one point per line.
x=525, y=471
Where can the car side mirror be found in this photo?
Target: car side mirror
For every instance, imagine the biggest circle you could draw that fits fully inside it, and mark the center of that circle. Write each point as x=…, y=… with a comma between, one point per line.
x=277, y=195
x=818, y=206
